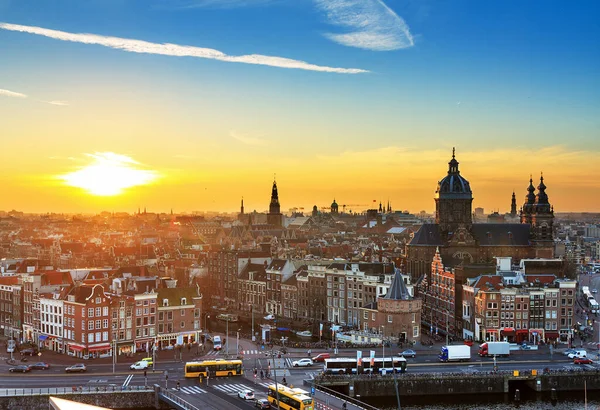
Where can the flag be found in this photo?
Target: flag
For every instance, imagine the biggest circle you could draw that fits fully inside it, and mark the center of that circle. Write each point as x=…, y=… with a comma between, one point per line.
x=320, y=329
x=359, y=357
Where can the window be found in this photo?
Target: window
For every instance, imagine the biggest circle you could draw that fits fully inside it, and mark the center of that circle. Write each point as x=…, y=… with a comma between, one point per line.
x=98, y=300
x=182, y=324
x=161, y=316
x=98, y=336
x=169, y=316
x=160, y=328
x=183, y=301
x=90, y=338
x=415, y=331
x=182, y=312
x=138, y=312
x=105, y=324
x=389, y=318
x=105, y=311
x=165, y=302
x=104, y=336
x=98, y=324
x=90, y=325
x=365, y=315
x=91, y=312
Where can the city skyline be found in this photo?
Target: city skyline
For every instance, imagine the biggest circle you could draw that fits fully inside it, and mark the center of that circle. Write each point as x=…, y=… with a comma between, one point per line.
x=192, y=105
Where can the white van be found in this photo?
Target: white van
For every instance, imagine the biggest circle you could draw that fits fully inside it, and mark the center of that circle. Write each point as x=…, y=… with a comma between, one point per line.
x=10, y=346
x=217, y=343
x=141, y=365
x=578, y=353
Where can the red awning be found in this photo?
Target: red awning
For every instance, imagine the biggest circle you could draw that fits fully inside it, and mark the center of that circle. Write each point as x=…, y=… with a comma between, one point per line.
x=491, y=330
x=98, y=348
x=552, y=335
x=76, y=348
x=522, y=331
x=508, y=329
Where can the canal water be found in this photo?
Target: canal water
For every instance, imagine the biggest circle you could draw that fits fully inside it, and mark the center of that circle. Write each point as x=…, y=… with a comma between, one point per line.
x=571, y=401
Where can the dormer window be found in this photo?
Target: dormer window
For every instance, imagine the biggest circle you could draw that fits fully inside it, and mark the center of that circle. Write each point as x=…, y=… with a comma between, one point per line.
x=183, y=301
x=165, y=302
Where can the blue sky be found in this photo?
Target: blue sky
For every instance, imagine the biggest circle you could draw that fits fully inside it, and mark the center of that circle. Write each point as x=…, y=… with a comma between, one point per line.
x=475, y=74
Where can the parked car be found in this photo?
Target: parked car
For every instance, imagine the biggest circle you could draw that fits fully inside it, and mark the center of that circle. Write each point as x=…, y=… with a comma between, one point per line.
x=578, y=354
x=246, y=395
x=20, y=369
x=408, y=353
x=141, y=365
x=568, y=352
x=40, y=366
x=321, y=357
x=76, y=368
x=262, y=404
x=302, y=363
x=582, y=360
x=28, y=352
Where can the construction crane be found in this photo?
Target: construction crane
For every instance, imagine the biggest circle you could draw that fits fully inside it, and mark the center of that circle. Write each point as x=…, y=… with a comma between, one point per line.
x=345, y=205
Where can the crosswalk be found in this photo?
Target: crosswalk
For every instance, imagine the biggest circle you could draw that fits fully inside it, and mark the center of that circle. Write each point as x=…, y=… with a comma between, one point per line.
x=231, y=389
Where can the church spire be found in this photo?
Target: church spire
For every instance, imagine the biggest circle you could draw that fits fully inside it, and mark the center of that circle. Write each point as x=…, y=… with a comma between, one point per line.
x=242, y=207
x=453, y=164
x=513, y=205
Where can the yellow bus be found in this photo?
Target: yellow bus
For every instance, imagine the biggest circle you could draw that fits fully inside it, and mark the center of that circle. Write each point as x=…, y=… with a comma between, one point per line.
x=290, y=399
x=217, y=367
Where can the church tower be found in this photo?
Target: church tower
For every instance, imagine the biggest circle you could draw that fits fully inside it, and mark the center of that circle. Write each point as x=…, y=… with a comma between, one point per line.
x=527, y=209
x=453, y=200
x=542, y=217
x=334, y=208
x=242, y=207
x=513, y=205
x=274, y=216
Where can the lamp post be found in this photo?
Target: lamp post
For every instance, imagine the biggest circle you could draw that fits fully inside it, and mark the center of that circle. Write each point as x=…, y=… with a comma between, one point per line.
x=114, y=361
x=446, y=327
x=383, y=345
x=227, y=339
x=205, y=322
x=252, y=310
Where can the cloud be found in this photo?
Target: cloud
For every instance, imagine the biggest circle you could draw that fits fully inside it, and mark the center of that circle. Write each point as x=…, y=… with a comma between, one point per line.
x=371, y=24
x=220, y=4
x=140, y=46
x=61, y=103
x=7, y=93
x=246, y=139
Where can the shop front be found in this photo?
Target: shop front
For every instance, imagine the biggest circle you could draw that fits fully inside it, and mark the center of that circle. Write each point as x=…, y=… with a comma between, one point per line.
x=99, y=351
x=536, y=335
x=144, y=345
x=522, y=335
x=125, y=349
x=491, y=335
x=75, y=350
x=508, y=334
x=552, y=337
x=169, y=341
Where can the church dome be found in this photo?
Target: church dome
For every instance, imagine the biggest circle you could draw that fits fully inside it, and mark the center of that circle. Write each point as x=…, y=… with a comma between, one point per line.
x=453, y=185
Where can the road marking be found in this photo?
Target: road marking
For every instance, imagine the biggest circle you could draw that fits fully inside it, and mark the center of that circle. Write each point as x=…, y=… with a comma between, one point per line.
x=191, y=390
x=127, y=380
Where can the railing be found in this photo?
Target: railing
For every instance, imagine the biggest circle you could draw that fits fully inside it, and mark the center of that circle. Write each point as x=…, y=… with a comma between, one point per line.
x=46, y=391
x=174, y=399
x=343, y=397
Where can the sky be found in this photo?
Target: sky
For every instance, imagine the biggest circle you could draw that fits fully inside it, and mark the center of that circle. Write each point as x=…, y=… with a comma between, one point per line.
x=191, y=105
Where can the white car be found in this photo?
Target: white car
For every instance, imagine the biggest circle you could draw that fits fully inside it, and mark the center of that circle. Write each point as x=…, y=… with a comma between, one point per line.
x=302, y=363
x=269, y=317
x=141, y=365
x=246, y=395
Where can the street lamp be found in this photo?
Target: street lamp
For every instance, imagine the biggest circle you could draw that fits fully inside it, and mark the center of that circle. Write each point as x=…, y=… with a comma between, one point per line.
x=383, y=345
x=205, y=322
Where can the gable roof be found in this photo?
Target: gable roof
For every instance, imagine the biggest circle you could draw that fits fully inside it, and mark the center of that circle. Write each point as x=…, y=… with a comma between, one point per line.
x=501, y=234
x=428, y=234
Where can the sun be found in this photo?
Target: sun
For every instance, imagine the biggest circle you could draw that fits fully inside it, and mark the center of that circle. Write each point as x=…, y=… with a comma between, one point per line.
x=109, y=174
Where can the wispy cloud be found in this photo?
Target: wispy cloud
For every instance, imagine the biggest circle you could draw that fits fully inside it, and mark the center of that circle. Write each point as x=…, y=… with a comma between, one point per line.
x=140, y=46
x=371, y=24
x=7, y=93
x=61, y=103
x=245, y=139
x=220, y=4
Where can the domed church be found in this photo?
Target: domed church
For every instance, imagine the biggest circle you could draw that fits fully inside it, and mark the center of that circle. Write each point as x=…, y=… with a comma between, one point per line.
x=460, y=241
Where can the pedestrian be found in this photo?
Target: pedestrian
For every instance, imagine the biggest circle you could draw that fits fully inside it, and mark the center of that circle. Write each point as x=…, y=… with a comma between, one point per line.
x=309, y=351
x=262, y=374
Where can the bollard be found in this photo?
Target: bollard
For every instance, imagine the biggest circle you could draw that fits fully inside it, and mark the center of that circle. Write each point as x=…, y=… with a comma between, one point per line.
x=553, y=395
x=517, y=395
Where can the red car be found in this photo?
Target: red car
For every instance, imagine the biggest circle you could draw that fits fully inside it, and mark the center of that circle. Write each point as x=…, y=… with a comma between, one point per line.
x=321, y=357
x=582, y=360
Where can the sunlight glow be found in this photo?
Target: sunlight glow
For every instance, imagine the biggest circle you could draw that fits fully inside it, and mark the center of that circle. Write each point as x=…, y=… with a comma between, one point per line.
x=109, y=174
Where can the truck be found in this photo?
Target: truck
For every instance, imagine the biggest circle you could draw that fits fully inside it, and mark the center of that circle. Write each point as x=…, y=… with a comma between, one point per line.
x=491, y=349
x=456, y=353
